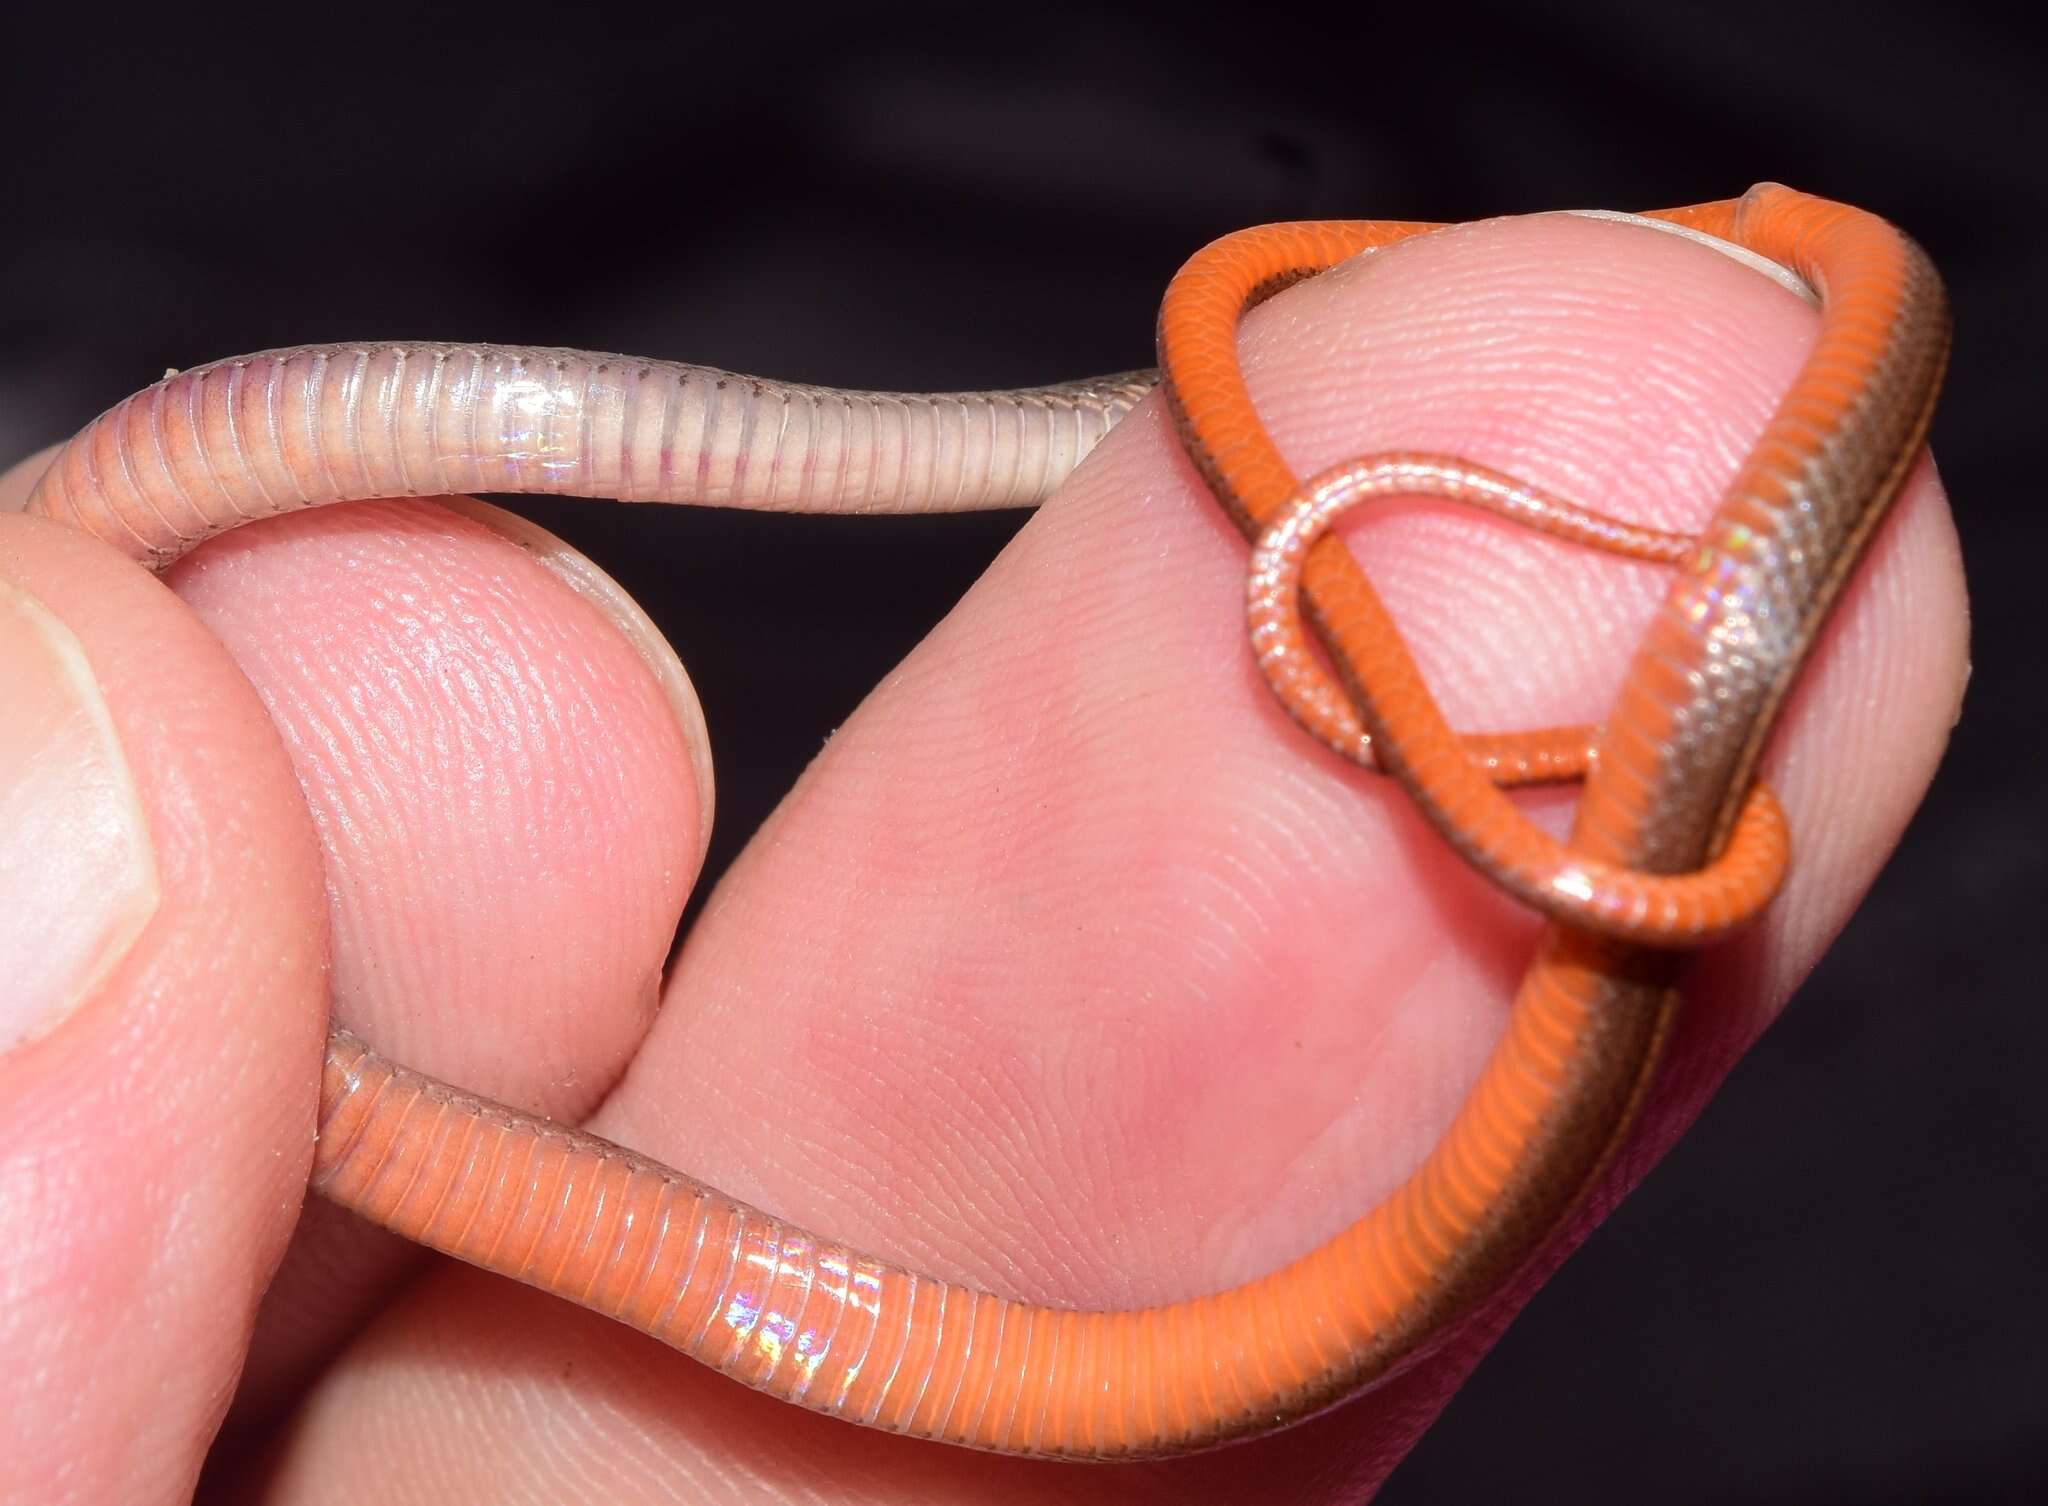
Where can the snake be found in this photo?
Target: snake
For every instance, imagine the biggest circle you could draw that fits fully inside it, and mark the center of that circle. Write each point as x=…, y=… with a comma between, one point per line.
x=1674, y=843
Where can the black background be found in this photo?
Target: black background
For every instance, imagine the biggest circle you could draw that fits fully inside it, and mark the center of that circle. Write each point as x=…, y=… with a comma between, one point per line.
x=1832, y=1290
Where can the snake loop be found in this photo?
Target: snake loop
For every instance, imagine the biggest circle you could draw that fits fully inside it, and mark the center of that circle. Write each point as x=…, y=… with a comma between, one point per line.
x=1410, y=739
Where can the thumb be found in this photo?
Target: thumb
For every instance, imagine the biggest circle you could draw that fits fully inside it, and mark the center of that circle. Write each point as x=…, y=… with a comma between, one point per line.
x=161, y=955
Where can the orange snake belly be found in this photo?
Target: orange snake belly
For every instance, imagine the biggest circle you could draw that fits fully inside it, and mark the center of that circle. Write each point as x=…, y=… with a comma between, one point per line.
x=1672, y=846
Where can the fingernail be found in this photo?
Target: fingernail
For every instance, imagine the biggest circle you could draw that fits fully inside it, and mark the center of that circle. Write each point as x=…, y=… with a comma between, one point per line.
x=78, y=878
x=582, y=576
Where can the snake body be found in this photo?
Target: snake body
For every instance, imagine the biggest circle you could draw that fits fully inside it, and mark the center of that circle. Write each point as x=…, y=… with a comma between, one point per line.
x=1672, y=845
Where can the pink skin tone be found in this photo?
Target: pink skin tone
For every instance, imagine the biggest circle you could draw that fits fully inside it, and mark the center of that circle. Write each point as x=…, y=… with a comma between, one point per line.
x=1070, y=968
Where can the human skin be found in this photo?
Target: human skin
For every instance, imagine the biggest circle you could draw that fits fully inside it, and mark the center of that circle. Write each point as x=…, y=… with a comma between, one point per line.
x=1070, y=968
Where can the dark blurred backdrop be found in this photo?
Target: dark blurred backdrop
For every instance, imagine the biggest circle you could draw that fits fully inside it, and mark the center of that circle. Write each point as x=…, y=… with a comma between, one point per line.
x=1832, y=1291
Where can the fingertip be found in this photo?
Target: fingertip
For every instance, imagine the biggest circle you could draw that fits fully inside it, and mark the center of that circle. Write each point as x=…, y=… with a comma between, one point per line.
x=509, y=773
x=154, y=1136
x=611, y=601
x=505, y=791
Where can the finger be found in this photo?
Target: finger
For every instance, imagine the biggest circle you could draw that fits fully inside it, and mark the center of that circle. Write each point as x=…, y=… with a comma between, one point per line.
x=19, y=479
x=1070, y=969
x=499, y=754
x=161, y=939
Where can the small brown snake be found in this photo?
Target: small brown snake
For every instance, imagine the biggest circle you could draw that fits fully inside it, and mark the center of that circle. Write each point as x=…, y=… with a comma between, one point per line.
x=1673, y=843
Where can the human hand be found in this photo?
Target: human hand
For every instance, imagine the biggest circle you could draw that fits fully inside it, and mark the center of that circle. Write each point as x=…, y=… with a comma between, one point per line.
x=1069, y=969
